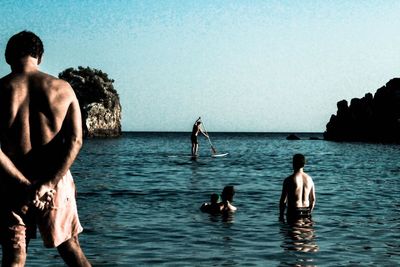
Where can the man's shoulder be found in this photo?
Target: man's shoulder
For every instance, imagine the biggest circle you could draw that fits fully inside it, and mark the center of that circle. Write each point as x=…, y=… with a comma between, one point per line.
x=63, y=85
x=5, y=80
x=54, y=85
x=52, y=79
x=288, y=179
x=308, y=177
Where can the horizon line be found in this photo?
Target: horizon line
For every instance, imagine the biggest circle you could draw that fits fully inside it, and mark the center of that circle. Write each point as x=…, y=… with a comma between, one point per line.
x=255, y=132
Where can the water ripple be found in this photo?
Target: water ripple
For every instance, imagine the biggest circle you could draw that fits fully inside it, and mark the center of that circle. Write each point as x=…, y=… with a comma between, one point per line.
x=139, y=199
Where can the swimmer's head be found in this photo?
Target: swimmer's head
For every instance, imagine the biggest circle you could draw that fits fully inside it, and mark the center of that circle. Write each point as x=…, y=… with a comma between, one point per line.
x=198, y=123
x=228, y=193
x=23, y=44
x=214, y=198
x=298, y=161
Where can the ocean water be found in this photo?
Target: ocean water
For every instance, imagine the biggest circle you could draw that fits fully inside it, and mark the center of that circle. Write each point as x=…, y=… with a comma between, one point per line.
x=139, y=199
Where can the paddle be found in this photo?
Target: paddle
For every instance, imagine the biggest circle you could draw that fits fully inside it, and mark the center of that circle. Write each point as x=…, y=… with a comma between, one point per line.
x=214, y=151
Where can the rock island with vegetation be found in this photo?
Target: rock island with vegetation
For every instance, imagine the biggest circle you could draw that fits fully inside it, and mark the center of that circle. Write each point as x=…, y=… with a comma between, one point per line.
x=99, y=101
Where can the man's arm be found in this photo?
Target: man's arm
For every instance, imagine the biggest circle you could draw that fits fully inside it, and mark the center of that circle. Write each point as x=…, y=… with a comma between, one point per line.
x=229, y=206
x=73, y=138
x=312, y=198
x=202, y=132
x=11, y=172
x=282, y=201
x=72, y=132
x=206, y=135
x=13, y=176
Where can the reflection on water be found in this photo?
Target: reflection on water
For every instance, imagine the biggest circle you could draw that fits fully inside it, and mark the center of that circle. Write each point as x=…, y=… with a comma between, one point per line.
x=299, y=236
x=225, y=217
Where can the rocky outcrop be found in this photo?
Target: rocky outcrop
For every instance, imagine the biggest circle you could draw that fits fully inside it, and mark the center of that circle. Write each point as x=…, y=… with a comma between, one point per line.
x=371, y=118
x=99, y=101
x=292, y=137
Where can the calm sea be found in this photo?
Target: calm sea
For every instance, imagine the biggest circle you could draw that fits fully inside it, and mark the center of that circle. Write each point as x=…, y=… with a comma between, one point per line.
x=139, y=199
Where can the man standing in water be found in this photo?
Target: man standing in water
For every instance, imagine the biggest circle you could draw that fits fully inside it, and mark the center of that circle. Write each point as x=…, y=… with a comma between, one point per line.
x=40, y=135
x=195, y=131
x=298, y=193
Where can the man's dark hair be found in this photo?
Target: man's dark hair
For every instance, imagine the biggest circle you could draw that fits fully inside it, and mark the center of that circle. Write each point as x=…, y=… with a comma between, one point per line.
x=298, y=161
x=214, y=198
x=23, y=44
x=227, y=193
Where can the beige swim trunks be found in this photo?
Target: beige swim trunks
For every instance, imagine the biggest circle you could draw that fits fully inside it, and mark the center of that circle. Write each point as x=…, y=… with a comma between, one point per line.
x=61, y=221
x=56, y=225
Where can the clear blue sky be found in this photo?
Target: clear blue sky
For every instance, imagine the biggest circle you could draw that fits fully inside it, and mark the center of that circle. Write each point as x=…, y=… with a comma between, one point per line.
x=242, y=65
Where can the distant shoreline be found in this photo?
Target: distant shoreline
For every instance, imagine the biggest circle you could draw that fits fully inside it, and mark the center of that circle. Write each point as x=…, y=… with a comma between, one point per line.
x=299, y=133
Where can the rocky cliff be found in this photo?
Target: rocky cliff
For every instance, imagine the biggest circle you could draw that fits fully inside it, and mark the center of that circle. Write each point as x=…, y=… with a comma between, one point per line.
x=99, y=101
x=371, y=118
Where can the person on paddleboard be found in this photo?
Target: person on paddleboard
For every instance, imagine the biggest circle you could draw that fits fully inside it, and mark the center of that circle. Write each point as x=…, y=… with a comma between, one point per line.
x=195, y=132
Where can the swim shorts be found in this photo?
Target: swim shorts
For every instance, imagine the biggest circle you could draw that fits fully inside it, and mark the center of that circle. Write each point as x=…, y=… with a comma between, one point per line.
x=194, y=139
x=15, y=226
x=61, y=221
x=299, y=213
x=56, y=225
x=16, y=234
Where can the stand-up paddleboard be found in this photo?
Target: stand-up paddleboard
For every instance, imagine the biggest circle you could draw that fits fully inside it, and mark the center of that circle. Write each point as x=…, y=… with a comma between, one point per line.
x=219, y=155
x=182, y=156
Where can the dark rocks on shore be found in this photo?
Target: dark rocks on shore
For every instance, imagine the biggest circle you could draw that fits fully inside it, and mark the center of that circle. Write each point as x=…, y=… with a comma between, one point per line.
x=292, y=137
x=99, y=101
x=371, y=118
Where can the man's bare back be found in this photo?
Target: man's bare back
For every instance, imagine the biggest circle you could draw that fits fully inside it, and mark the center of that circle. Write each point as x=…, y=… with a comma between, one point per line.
x=298, y=191
x=299, y=186
x=37, y=112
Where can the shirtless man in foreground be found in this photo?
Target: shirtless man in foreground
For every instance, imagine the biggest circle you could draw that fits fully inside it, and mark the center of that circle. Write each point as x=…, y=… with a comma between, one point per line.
x=40, y=137
x=298, y=193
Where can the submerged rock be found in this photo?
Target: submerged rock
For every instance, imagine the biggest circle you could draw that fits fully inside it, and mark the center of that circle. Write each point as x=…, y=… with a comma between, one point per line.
x=292, y=137
x=99, y=101
x=371, y=118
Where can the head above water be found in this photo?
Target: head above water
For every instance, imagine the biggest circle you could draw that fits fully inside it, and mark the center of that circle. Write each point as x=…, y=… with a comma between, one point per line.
x=214, y=198
x=298, y=161
x=228, y=193
x=23, y=44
